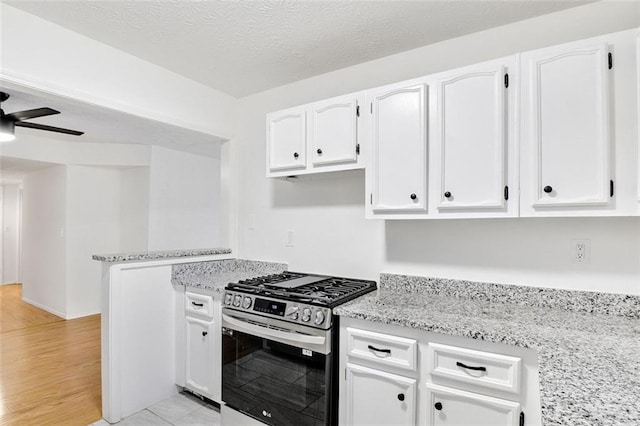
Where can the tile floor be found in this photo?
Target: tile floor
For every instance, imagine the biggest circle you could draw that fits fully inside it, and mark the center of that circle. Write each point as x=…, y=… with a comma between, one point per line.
x=182, y=409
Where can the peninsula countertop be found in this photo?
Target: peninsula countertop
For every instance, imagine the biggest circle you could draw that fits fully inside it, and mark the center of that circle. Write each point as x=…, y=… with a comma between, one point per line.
x=589, y=368
x=158, y=255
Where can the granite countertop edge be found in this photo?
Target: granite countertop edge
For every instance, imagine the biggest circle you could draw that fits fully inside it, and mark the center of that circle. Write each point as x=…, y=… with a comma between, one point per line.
x=157, y=255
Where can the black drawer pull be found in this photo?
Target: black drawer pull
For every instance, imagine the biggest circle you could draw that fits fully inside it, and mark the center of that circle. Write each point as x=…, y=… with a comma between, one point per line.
x=204, y=333
x=400, y=397
x=197, y=304
x=459, y=364
x=438, y=406
x=373, y=348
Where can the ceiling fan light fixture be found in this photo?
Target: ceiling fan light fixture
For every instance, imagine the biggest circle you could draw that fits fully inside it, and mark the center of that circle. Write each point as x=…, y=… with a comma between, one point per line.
x=7, y=131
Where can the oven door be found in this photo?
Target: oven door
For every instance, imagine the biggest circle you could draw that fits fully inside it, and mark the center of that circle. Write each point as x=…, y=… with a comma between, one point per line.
x=276, y=372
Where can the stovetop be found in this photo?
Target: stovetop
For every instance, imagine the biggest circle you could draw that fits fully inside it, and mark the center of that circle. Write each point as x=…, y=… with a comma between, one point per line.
x=318, y=290
x=306, y=299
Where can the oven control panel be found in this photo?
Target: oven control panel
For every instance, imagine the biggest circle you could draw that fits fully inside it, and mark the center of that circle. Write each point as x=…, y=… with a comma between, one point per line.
x=301, y=313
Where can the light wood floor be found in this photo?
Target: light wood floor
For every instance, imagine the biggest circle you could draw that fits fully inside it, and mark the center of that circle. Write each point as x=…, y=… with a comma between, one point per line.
x=49, y=367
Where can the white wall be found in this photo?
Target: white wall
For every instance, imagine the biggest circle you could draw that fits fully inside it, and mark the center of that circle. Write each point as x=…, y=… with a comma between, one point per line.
x=50, y=150
x=41, y=55
x=10, y=254
x=134, y=209
x=44, y=257
x=184, y=200
x=327, y=212
x=93, y=226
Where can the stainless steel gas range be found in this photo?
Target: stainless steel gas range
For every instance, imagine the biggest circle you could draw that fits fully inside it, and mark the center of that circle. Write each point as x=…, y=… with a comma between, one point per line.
x=279, y=351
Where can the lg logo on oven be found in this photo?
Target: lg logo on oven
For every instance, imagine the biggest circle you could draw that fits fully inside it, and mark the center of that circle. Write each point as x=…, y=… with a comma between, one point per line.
x=266, y=413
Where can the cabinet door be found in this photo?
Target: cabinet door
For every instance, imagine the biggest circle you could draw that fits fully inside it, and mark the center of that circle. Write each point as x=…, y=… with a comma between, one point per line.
x=286, y=140
x=376, y=397
x=474, y=145
x=199, y=356
x=399, y=136
x=566, y=125
x=334, y=131
x=453, y=407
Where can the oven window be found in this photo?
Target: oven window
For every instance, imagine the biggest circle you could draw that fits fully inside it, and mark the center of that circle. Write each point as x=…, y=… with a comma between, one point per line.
x=275, y=383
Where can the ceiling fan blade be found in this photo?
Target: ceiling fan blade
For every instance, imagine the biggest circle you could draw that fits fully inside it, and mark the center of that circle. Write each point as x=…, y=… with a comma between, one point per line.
x=31, y=113
x=47, y=128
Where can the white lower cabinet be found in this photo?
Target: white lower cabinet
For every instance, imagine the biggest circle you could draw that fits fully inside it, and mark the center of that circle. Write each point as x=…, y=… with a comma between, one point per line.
x=198, y=343
x=199, y=356
x=392, y=375
x=455, y=407
x=376, y=397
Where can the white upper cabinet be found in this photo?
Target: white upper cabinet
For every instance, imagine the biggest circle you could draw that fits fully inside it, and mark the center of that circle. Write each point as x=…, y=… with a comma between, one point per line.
x=334, y=132
x=473, y=166
x=322, y=136
x=286, y=140
x=578, y=140
x=567, y=116
x=397, y=172
x=637, y=73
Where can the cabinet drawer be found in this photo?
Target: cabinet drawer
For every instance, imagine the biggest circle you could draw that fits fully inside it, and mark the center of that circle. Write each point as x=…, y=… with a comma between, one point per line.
x=199, y=304
x=382, y=349
x=484, y=369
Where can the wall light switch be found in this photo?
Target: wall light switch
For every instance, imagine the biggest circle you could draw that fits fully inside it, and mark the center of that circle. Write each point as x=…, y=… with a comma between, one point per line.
x=290, y=242
x=251, y=221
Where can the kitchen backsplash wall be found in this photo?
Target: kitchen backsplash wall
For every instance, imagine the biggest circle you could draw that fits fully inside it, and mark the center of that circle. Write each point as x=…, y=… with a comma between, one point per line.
x=326, y=213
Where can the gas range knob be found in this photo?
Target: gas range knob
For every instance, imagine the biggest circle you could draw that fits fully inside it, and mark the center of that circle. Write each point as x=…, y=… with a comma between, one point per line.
x=246, y=303
x=237, y=300
x=228, y=298
x=306, y=314
x=294, y=312
x=319, y=317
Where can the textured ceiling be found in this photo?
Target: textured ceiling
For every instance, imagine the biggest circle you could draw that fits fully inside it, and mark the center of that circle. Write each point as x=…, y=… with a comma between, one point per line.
x=244, y=47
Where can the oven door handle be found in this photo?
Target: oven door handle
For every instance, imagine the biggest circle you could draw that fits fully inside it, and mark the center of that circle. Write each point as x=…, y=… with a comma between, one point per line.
x=266, y=333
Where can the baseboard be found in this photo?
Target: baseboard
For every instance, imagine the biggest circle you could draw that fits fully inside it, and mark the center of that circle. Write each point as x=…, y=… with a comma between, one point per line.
x=81, y=315
x=46, y=308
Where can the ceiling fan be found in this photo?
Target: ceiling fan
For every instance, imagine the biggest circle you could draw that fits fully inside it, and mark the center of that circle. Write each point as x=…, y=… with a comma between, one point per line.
x=8, y=122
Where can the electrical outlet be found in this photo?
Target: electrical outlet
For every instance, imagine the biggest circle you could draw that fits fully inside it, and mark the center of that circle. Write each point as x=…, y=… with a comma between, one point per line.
x=290, y=242
x=581, y=251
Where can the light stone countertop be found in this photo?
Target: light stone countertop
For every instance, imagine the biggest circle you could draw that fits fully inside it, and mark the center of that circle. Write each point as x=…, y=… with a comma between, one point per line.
x=589, y=362
x=215, y=275
x=156, y=255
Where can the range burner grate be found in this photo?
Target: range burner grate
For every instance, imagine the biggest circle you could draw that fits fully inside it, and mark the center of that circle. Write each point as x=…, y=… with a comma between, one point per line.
x=324, y=291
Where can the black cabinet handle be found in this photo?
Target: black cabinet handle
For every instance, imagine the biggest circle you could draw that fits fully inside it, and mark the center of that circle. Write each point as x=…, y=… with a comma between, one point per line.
x=413, y=196
x=438, y=406
x=447, y=194
x=459, y=364
x=319, y=151
x=204, y=333
x=295, y=155
x=373, y=348
x=400, y=397
x=197, y=304
x=547, y=189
